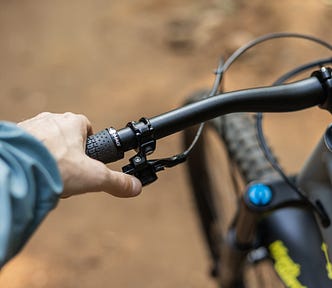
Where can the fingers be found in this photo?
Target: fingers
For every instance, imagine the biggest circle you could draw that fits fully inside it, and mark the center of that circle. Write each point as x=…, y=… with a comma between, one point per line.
x=65, y=136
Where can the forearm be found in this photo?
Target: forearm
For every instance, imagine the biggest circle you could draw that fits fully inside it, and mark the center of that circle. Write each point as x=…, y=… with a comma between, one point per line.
x=30, y=186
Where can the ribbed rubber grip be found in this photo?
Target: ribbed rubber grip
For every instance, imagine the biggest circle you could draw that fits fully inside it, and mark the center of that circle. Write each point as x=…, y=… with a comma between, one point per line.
x=101, y=147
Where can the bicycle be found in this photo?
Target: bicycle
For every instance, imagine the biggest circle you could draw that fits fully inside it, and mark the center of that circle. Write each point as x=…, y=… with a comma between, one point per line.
x=276, y=211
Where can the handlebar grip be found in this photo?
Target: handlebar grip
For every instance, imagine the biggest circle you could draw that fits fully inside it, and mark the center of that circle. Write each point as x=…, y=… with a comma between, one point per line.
x=102, y=147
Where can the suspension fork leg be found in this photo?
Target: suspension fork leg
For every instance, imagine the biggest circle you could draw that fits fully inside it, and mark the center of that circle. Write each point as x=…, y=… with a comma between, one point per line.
x=242, y=237
x=260, y=198
x=240, y=240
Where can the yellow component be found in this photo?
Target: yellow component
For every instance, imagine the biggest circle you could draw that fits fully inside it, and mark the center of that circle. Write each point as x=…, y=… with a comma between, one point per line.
x=286, y=268
x=328, y=262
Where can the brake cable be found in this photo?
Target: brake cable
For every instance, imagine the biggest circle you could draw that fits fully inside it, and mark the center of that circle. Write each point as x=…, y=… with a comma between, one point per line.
x=259, y=116
x=156, y=165
x=224, y=66
x=160, y=164
x=259, y=120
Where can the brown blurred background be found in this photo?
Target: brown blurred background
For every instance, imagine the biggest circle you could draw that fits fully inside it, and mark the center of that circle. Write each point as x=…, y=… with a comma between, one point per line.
x=116, y=61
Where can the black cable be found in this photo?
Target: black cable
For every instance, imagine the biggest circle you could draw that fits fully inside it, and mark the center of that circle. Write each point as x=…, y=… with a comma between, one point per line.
x=302, y=68
x=213, y=92
x=271, y=36
x=223, y=67
x=267, y=151
x=259, y=118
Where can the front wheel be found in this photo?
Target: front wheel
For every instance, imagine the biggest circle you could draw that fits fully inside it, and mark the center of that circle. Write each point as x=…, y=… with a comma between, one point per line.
x=227, y=152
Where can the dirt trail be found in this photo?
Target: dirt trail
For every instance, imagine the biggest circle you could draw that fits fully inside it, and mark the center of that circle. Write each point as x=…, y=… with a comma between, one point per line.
x=117, y=61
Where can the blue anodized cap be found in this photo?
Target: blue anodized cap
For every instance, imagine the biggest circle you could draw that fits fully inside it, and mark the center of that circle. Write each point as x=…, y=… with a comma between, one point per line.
x=259, y=194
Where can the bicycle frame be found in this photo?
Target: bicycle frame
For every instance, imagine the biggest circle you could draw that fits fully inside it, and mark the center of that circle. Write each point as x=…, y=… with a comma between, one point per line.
x=315, y=180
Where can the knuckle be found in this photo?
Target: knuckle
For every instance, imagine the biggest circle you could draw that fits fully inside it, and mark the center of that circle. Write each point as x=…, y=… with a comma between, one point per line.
x=121, y=185
x=44, y=114
x=68, y=115
x=125, y=184
x=83, y=118
x=79, y=118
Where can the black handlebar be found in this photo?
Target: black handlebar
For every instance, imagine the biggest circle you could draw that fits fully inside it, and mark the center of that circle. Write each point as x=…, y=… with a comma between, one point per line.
x=109, y=145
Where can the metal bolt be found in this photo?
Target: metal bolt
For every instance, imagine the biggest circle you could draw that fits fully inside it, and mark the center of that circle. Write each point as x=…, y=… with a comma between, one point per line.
x=137, y=159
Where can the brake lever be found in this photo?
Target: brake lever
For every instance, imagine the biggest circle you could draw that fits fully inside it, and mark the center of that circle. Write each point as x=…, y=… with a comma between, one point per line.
x=146, y=170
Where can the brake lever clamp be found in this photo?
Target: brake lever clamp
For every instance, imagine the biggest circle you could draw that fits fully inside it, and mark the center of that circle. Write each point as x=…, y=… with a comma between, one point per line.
x=139, y=166
x=142, y=168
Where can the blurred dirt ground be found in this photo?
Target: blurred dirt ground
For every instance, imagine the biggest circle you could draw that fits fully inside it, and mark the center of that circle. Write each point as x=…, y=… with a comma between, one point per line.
x=116, y=61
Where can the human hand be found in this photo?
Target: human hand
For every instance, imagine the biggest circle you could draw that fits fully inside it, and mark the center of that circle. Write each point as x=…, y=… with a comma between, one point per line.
x=65, y=136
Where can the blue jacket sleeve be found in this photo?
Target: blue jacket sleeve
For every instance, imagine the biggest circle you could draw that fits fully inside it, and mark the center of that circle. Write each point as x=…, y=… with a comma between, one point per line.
x=30, y=185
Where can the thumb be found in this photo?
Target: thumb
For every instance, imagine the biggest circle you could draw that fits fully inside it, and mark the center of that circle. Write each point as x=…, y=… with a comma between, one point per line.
x=121, y=185
x=113, y=182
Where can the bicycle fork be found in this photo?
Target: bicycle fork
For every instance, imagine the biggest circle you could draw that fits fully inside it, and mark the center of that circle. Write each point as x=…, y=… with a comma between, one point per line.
x=272, y=215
